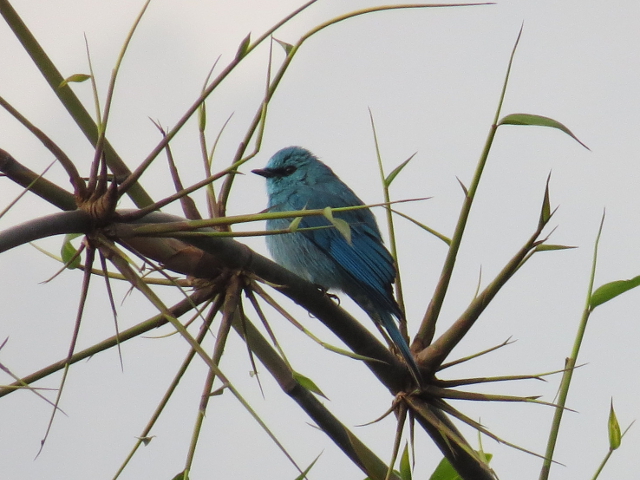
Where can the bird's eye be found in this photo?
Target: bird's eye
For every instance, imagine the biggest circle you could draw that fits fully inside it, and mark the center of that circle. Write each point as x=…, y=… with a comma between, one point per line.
x=288, y=170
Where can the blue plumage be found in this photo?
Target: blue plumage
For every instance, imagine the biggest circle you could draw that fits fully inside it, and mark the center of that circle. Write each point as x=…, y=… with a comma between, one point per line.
x=363, y=269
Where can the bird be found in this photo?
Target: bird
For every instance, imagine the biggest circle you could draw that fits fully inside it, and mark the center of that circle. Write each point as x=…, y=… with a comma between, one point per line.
x=359, y=266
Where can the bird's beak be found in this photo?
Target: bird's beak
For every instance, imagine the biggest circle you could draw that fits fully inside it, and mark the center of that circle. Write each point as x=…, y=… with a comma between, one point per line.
x=264, y=172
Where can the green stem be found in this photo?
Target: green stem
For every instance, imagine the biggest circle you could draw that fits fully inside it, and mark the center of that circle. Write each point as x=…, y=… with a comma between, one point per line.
x=133, y=178
x=602, y=464
x=569, y=367
x=260, y=116
x=157, y=321
x=67, y=97
x=427, y=329
x=144, y=435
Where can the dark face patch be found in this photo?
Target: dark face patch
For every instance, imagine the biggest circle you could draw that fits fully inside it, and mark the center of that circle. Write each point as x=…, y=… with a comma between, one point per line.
x=278, y=172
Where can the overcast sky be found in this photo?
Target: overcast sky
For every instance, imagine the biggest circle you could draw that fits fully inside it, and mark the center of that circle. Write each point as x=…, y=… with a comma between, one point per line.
x=432, y=79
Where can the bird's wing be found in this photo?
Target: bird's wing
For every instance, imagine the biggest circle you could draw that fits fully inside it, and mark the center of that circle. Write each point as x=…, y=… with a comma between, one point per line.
x=365, y=259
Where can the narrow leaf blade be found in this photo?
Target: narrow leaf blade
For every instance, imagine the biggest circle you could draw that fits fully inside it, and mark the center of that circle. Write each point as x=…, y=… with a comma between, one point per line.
x=244, y=47
x=309, y=384
x=545, y=211
x=543, y=247
x=444, y=471
x=537, y=120
x=341, y=225
x=303, y=475
x=611, y=290
x=615, y=436
x=391, y=177
x=293, y=226
x=405, y=464
x=68, y=252
x=75, y=78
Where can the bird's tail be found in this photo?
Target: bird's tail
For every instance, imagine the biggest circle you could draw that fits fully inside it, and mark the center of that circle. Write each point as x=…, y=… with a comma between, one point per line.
x=398, y=340
x=381, y=315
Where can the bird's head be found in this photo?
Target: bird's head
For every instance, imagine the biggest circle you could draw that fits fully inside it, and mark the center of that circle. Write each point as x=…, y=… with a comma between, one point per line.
x=293, y=166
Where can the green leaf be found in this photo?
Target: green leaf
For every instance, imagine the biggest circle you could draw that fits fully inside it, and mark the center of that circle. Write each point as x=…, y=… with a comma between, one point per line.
x=391, y=177
x=244, y=47
x=293, y=226
x=76, y=78
x=341, y=225
x=611, y=290
x=182, y=476
x=444, y=471
x=367, y=458
x=68, y=251
x=286, y=46
x=486, y=457
x=545, y=211
x=405, y=464
x=615, y=436
x=309, y=384
x=543, y=247
x=537, y=120
x=202, y=117
x=306, y=470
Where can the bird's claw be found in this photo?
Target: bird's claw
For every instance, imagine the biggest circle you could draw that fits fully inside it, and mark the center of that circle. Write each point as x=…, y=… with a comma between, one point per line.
x=325, y=291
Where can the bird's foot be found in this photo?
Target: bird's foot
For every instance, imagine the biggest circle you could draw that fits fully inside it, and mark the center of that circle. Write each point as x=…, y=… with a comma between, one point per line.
x=325, y=291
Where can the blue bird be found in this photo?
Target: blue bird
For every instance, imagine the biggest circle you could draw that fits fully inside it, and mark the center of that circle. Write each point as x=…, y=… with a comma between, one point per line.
x=363, y=269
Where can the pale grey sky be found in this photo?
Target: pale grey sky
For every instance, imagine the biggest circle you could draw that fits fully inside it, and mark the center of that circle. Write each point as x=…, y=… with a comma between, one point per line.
x=432, y=80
